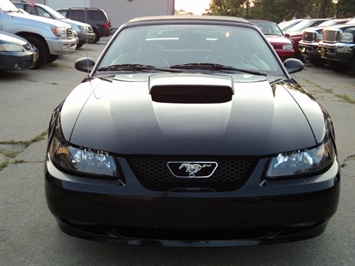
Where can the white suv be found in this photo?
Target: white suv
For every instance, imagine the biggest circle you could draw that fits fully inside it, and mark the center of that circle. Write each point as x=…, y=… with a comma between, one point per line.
x=84, y=30
x=49, y=37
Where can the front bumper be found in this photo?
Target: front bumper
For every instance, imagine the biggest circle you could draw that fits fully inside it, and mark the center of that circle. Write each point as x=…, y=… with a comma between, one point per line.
x=309, y=49
x=17, y=60
x=59, y=46
x=85, y=37
x=257, y=213
x=284, y=54
x=341, y=52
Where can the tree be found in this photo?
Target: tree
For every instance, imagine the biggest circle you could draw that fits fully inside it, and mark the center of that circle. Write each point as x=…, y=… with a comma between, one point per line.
x=345, y=8
x=277, y=10
x=228, y=7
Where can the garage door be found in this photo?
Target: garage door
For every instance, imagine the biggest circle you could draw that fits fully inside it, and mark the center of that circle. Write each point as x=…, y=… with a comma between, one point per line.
x=55, y=4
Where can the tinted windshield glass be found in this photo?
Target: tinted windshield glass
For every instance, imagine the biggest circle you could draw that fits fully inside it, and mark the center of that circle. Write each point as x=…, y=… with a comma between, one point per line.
x=171, y=45
x=269, y=28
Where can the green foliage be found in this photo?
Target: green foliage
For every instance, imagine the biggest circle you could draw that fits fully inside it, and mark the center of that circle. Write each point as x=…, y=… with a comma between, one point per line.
x=278, y=10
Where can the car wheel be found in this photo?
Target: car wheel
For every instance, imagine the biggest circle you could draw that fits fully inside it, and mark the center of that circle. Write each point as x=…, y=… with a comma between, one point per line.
x=79, y=45
x=41, y=48
x=97, y=37
x=317, y=61
x=338, y=66
x=52, y=58
x=353, y=66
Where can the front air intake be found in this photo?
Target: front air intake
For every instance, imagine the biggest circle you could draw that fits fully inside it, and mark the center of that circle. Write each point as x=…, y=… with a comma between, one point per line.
x=191, y=94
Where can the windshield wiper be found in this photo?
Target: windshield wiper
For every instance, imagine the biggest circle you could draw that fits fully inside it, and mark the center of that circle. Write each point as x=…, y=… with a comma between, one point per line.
x=216, y=67
x=134, y=67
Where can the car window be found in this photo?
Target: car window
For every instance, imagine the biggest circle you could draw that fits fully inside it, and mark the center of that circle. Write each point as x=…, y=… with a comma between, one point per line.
x=185, y=44
x=96, y=15
x=269, y=28
x=63, y=12
x=77, y=15
x=43, y=13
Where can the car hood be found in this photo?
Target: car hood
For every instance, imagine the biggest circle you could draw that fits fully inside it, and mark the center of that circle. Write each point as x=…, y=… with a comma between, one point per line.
x=122, y=116
x=6, y=37
x=278, y=39
x=27, y=18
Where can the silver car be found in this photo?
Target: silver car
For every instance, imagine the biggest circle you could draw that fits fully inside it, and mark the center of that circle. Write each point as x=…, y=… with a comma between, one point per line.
x=84, y=31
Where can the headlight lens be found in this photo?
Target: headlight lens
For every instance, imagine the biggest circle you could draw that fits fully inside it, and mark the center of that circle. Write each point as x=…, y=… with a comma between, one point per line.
x=60, y=32
x=11, y=48
x=347, y=37
x=287, y=47
x=82, y=161
x=302, y=162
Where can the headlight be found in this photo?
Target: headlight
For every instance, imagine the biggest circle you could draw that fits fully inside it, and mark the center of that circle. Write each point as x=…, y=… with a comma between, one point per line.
x=82, y=161
x=303, y=162
x=287, y=47
x=347, y=37
x=60, y=32
x=11, y=48
x=319, y=37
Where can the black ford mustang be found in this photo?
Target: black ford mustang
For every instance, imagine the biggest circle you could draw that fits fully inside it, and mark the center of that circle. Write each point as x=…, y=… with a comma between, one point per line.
x=189, y=131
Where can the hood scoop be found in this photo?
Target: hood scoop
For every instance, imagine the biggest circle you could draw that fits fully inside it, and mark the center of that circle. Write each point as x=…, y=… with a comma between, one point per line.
x=190, y=88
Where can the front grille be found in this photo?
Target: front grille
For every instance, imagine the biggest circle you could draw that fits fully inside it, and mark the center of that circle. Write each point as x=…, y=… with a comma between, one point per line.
x=70, y=33
x=331, y=35
x=153, y=173
x=309, y=36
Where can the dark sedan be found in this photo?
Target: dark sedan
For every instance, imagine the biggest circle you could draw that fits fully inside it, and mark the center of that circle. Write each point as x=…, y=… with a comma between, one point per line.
x=15, y=53
x=189, y=131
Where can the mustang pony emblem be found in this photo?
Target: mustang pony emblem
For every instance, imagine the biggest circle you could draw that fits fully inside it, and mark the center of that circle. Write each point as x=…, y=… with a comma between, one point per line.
x=192, y=169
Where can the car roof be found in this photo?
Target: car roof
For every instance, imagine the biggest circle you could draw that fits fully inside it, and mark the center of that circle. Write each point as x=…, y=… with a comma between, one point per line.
x=261, y=20
x=189, y=18
x=80, y=8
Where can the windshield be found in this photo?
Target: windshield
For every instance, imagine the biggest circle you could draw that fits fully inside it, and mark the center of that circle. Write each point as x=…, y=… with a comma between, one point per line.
x=191, y=47
x=301, y=26
x=269, y=28
x=6, y=6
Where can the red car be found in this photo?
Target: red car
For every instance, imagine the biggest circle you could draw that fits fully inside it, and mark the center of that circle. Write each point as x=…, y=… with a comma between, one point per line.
x=275, y=36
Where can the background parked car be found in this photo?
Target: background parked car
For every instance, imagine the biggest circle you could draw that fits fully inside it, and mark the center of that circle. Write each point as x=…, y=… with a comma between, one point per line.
x=15, y=53
x=285, y=25
x=96, y=17
x=282, y=45
x=84, y=31
x=308, y=46
x=50, y=38
x=295, y=33
x=338, y=46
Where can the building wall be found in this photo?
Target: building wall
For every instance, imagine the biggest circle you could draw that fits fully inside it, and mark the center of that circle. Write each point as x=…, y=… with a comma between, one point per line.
x=119, y=11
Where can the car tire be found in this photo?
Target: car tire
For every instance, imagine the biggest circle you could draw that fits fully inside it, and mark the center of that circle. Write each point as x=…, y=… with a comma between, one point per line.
x=340, y=67
x=51, y=58
x=353, y=65
x=41, y=48
x=97, y=37
x=317, y=61
x=79, y=45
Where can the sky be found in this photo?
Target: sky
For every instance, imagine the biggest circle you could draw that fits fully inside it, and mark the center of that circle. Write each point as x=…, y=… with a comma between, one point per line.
x=196, y=6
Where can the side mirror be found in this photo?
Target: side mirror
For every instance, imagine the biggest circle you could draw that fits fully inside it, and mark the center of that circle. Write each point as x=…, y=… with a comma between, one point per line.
x=293, y=65
x=84, y=64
